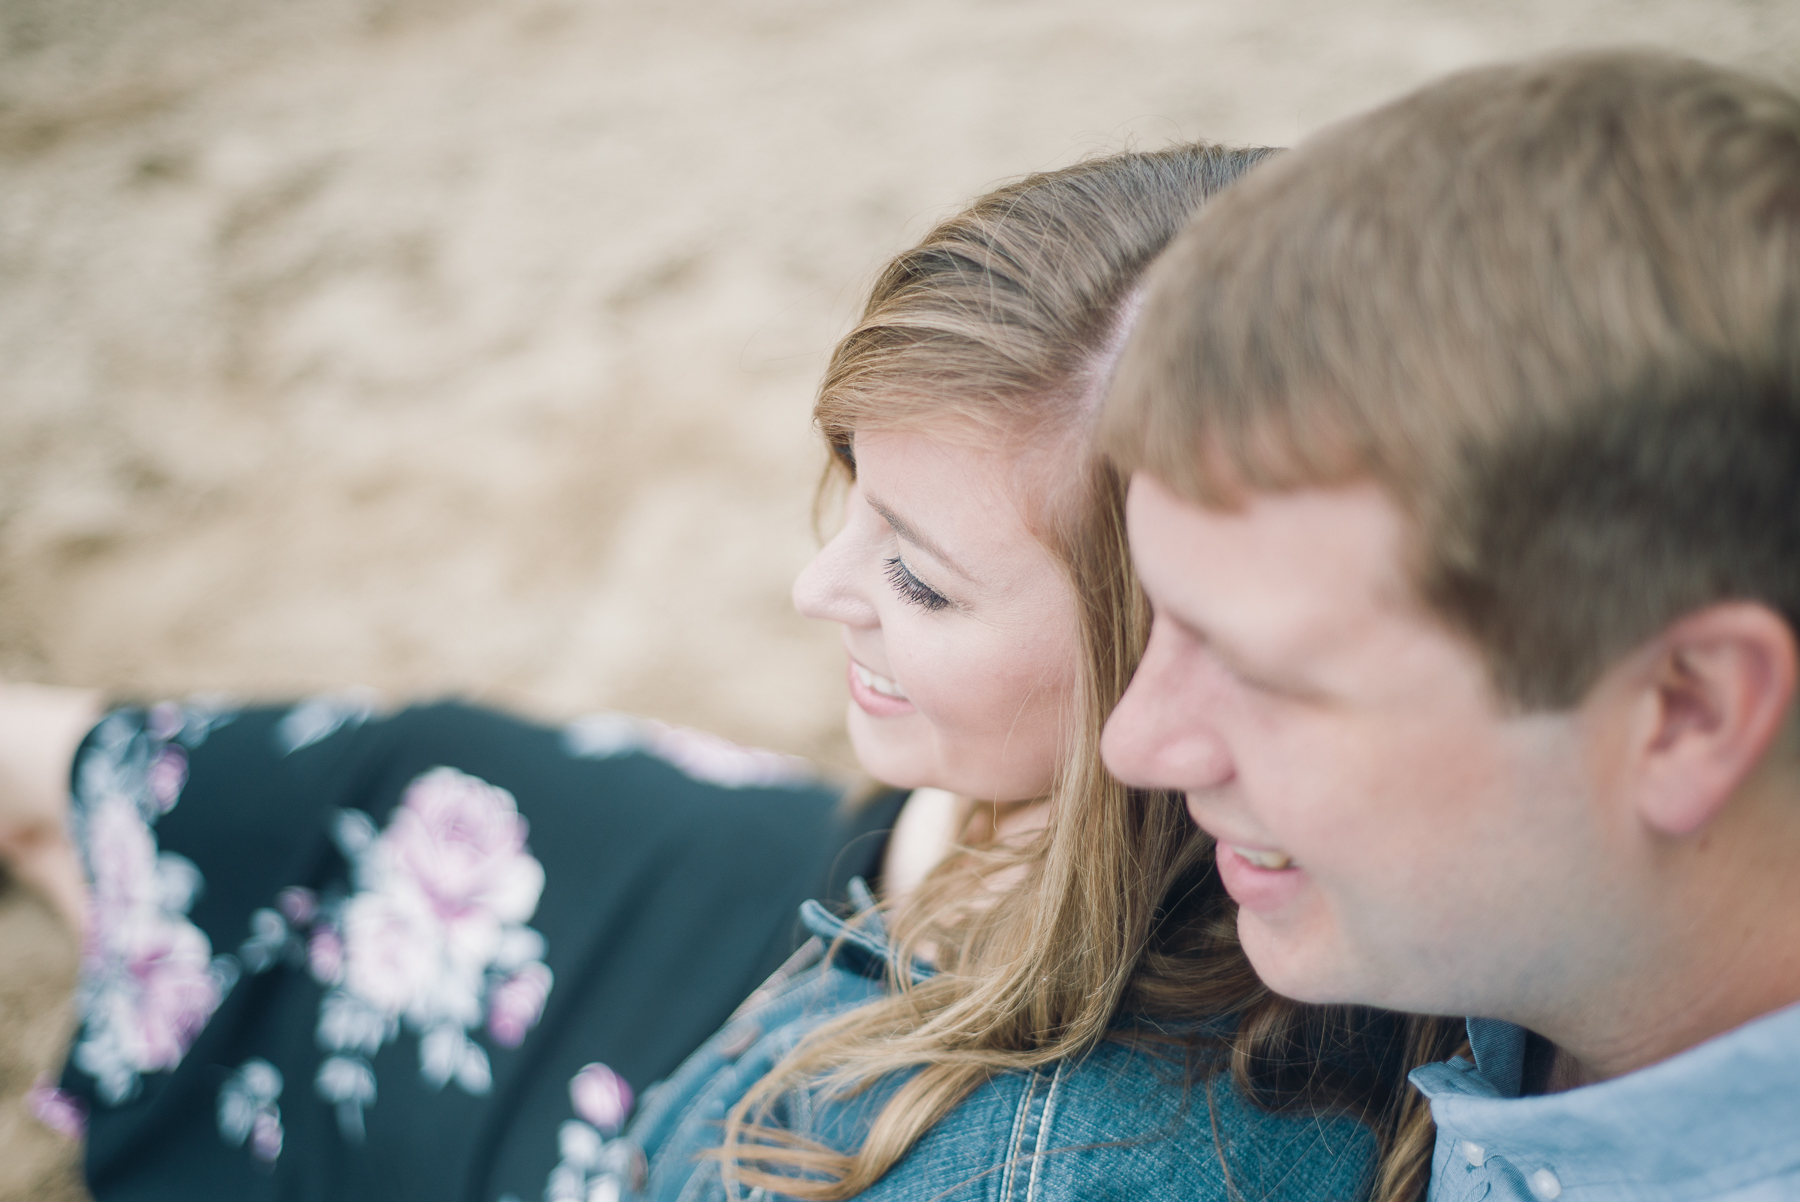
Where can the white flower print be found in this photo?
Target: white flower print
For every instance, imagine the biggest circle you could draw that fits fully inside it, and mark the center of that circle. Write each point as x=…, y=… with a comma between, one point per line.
x=149, y=980
x=319, y=717
x=433, y=938
x=279, y=935
x=395, y=959
x=348, y=1083
x=705, y=757
x=592, y=1165
x=248, y=1110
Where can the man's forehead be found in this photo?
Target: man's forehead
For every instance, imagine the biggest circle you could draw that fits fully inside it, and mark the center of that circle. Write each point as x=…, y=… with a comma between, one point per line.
x=1273, y=561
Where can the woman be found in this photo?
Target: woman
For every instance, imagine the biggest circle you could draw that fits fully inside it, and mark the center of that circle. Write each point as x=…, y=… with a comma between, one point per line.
x=1051, y=1012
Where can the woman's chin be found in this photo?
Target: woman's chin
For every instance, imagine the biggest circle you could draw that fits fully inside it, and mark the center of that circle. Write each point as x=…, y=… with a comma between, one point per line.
x=906, y=753
x=889, y=749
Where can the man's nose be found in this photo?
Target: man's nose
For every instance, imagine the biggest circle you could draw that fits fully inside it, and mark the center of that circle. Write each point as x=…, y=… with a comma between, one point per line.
x=1162, y=734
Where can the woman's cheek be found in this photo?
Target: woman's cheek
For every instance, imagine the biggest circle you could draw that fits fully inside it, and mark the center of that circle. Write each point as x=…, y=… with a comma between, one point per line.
x=946, y=698
x=932, y=685
x=984, y=695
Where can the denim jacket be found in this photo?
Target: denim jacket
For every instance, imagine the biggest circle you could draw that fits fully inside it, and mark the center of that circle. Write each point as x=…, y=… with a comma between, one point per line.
x=1122, y=1122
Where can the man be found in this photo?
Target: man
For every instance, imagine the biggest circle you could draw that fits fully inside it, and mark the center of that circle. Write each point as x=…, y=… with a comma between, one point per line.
x=1465, y=444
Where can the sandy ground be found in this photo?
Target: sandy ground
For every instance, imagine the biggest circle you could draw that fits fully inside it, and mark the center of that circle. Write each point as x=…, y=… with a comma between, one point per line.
x=467, y=345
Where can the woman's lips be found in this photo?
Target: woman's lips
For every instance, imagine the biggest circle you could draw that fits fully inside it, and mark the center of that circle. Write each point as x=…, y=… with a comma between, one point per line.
x=1259, y=879
x=878, y=696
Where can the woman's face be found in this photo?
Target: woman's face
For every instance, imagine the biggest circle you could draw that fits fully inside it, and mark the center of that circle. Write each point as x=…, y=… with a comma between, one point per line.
x=959, y=625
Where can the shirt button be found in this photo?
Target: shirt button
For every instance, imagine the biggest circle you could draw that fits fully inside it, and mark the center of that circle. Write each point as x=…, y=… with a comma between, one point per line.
x=1474, y=1153
x=1545, y=1185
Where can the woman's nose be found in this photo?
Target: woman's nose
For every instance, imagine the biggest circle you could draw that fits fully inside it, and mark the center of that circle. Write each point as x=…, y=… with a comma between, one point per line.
x=1162, y=734
x=830, y=587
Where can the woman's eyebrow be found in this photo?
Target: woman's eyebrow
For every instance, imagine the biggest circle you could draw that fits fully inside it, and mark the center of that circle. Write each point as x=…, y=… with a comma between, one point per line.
x=917, y=539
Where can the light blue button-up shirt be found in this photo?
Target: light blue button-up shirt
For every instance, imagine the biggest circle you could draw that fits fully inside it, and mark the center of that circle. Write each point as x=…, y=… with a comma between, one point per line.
x=1719, y=1121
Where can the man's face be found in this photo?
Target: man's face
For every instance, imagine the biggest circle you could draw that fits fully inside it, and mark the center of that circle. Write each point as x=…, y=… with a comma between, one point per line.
x=1392, y=834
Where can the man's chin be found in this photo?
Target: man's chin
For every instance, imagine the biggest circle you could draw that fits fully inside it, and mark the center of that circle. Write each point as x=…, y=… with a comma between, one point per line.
x=1300, y=965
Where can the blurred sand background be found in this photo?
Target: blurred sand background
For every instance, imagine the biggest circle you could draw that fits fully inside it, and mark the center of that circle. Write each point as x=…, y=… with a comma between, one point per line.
x=467, y=345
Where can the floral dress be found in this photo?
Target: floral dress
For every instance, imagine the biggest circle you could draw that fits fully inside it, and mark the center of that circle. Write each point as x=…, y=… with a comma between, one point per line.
x=339, y=955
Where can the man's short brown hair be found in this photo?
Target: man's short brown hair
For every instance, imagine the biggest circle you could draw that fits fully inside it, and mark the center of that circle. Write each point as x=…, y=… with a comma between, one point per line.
x=1553, y=308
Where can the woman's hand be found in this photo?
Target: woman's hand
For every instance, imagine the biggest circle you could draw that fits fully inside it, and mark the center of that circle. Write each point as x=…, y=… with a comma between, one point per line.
x=40, y=728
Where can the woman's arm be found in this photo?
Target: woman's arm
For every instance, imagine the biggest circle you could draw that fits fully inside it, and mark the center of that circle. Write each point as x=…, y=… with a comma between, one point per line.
x=40, y=728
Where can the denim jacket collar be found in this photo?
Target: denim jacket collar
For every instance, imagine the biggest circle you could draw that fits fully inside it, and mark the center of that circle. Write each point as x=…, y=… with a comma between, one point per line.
x=861, y=941
x=1121, y=1121
x=1716, y=1118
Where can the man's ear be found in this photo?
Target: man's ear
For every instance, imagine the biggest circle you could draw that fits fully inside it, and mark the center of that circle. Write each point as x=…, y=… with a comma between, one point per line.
x=1715, y=690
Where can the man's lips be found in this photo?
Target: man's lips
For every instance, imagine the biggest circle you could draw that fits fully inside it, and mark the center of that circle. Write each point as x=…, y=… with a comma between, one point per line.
x=1260, y=879
x=1261, y=857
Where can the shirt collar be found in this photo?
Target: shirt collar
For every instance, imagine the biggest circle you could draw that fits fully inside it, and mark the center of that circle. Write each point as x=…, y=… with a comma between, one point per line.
x=1499, y=1051
x=1726, y=1109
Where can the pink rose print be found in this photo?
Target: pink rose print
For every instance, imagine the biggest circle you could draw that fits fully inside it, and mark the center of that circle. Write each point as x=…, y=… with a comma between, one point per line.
x=517, y=1003
x=449, y=879
x=325, y=956
x=164, y=721
x=149, y=979
x=166, y=775
x=122, y=860
x=696, y=753
x=461, y=843
x=592, y=1164
x=58, y=1110
x=434, y=938
x=297, y=905
x=601, y=1097
x=170, y=965
x=707, y=757
x=265, y=1138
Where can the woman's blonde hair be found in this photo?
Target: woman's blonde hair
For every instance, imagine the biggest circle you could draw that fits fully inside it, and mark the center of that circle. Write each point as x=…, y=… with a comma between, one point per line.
x=1007, y=318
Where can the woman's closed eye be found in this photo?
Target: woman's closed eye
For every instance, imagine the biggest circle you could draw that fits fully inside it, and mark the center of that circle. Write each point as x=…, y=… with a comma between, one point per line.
x=911, y=588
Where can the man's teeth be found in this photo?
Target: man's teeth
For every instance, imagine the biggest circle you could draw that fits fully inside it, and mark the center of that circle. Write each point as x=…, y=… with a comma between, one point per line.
x=1261, y=858
x=879, y=684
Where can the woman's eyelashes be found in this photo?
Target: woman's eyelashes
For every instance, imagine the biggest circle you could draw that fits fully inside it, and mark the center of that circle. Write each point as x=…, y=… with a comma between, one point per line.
x=912, y=588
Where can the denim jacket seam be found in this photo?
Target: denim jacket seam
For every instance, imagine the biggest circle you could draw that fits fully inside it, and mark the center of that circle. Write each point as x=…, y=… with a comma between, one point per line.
x=783, y=981
x=696, y=1186
x=1027, y=1132
x=1016, y=1137
x=1046, y=1115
